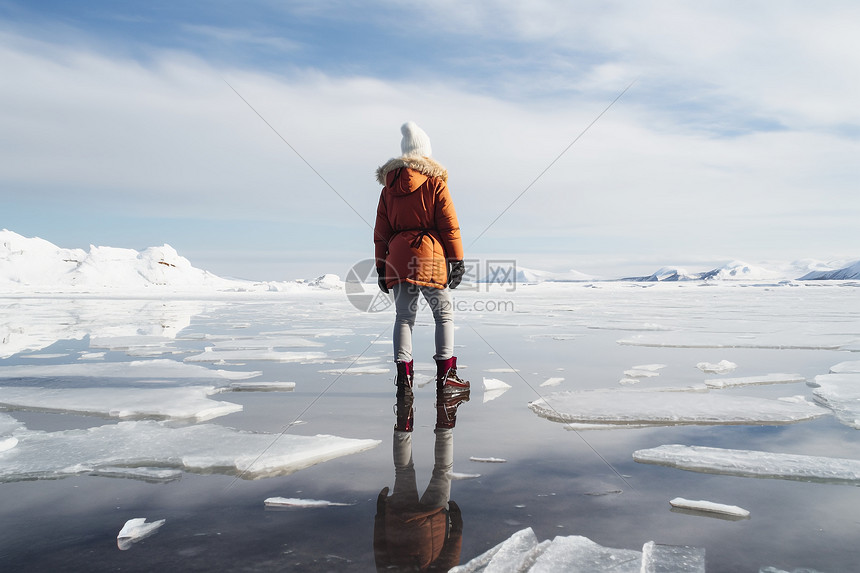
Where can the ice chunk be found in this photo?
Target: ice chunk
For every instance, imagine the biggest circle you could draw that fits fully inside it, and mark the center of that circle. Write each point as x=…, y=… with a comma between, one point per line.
x=658, y=558
x=579, y=554
x=720, y=367
x=552, y=382
x=709, y=506
x=749, y=463
x=463, y=476
x=576, y=554
x=644, y=371
x=514, y=554
x=175, y=402
x=631, y=407
x=493, y=384
x=295, y=502
x=134, y=530
x=494, y=388
x=840, y=393
x=488, y=460
x=141, y=369
x=204, y=448
x=775, y=378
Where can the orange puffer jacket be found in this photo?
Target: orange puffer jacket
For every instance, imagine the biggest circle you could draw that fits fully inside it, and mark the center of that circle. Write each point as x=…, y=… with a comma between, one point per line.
x=416, y=225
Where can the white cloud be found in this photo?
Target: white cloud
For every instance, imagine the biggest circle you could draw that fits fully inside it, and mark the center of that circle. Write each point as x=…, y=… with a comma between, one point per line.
x=680, y=165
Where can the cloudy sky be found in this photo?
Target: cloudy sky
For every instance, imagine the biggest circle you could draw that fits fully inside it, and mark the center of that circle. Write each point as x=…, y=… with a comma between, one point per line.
x=739, y=137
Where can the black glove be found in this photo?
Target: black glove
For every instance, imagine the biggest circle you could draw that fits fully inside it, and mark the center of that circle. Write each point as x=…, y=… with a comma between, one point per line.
x=381, y=281
x=456, y=270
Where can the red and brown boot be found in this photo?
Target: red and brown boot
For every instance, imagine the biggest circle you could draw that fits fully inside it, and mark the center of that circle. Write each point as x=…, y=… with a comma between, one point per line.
x=451, y=391
x=403, y=408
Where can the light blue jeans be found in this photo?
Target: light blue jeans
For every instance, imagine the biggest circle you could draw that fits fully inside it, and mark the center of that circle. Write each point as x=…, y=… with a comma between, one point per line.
x=406, y=305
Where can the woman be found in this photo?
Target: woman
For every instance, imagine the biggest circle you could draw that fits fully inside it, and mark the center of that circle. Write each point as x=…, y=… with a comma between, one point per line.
x=419, y=250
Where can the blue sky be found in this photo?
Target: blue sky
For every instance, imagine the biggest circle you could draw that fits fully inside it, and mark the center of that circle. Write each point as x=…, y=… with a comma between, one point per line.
x=738, y=139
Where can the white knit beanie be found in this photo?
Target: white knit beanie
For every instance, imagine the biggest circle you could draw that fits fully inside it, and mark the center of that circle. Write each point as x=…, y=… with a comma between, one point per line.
x=415, y=142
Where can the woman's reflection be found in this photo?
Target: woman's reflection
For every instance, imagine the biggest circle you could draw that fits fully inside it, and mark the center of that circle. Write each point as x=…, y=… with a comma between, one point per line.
x=413, y=533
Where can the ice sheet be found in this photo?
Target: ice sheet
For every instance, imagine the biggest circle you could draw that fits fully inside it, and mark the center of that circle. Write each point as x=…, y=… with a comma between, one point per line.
x=852, y=366
x=261, y=387
x=774, y=378
x=552, y=382
x=202, y=448
x=141, y=369
x=631, y=407
x=250, y=355
x=188, y=402
x=749, y=463
x=840, y=393
x=747, y=340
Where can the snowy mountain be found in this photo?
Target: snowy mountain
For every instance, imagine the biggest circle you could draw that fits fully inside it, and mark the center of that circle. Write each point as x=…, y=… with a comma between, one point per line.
x=852, y=271
x=33, y=264
x=667, y=274
x=733, y=271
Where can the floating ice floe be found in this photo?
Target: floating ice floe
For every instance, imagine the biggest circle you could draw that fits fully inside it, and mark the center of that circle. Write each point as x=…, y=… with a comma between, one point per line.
x=840, y=393
x=775, y=378
x=185, y=402
x=265, y=343
x=463, y=476
x=152, y=475
x=522, y=553
x=721, y=367
x=140, y=369
x=494, y=388
x=709, y=507
x=267, y=355
x=134, y=530
x=749, y=463
x=202, y=448
x=631, y=407
x=262, y=387
x=644, y=371
x=852, y=366
x=552, y=382
x=296, y=502
x=488, y=460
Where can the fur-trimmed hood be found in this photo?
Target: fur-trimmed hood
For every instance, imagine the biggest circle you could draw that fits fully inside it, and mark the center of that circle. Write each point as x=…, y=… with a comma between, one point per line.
x=423, y=165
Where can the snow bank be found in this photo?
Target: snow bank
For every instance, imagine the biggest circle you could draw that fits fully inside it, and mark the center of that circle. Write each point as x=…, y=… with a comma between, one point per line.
x=749, y=463
x=35, y=265
x=850, y=271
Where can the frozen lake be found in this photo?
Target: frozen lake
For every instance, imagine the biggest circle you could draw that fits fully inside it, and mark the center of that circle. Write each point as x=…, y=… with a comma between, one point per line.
x=196, y=411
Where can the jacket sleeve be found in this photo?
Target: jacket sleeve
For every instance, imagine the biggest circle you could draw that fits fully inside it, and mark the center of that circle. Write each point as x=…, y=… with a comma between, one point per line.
x=447, y=225
x=382, y=231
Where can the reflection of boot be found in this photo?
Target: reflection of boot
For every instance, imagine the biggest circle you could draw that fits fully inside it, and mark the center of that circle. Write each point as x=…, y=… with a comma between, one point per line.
x=451, y=391
x=403, y=408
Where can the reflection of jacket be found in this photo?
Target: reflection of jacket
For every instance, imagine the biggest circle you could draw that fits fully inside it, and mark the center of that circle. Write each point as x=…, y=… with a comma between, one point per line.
x=416, y=225
x=416, y=538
